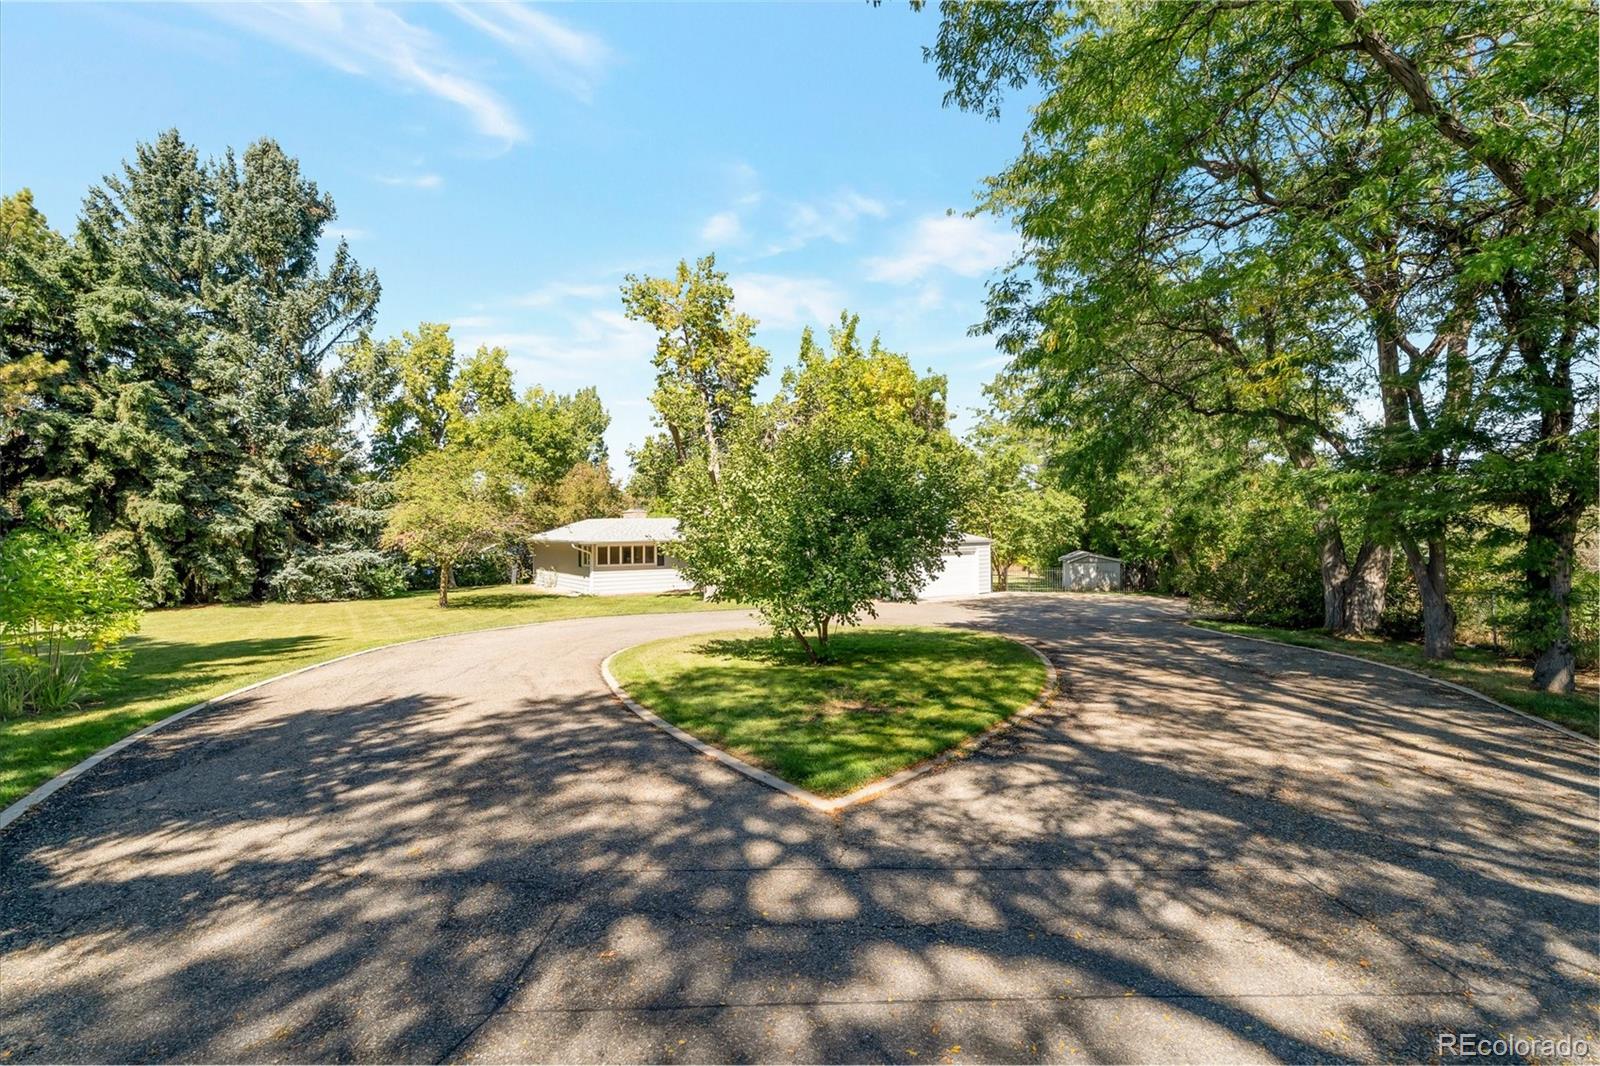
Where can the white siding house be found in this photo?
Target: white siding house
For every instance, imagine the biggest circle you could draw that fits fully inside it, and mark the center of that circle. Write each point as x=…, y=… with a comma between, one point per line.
x=608, y=556
x=1084, y=571
x=614, y=556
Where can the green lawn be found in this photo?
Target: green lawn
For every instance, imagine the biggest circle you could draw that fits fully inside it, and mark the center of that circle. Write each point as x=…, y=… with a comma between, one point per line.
x=892, y=697
x=1479, y=669
x=184, y=655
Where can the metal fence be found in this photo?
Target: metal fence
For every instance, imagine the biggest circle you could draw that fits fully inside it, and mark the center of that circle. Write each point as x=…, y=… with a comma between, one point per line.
x=1020, y=580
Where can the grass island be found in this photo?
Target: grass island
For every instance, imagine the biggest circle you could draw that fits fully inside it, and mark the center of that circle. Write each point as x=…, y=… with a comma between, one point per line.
x=889, y=698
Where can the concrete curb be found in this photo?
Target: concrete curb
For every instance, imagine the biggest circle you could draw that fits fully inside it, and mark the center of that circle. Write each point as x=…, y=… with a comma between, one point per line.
x=66, y=777
x=822, y=804
x=1558, y=727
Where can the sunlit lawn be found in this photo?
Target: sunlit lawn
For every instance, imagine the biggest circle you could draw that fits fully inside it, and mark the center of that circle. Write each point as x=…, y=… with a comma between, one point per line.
x=1480, y=669
x=892, y=697
x=186, y=655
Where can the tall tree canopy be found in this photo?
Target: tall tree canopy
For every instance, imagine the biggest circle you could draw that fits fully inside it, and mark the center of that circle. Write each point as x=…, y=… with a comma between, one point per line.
x=176, y=364
x=707, y=361
x=417, y=391
x=1365, y=235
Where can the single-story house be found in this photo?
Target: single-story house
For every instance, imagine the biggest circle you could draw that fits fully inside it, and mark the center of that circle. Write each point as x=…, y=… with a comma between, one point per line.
x=1084, y=571
x=608, y=556
x=612, y=556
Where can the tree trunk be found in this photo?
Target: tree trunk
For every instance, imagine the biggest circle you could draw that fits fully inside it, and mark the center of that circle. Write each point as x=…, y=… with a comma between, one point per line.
x=713, y=462
x=1000, y=573
x=811, y=653
x=444, y=586
x=1553, y=504
x=822, y=637
x=1552, y=541
x=1438, y=617
x=1353, y=595
x=516, y=571
x=1366, y=588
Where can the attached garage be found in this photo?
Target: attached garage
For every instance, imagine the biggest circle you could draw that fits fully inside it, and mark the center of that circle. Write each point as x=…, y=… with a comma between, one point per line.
x=965, y=573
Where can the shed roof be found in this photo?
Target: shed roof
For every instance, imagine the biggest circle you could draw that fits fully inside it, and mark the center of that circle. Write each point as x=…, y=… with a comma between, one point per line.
x=1072, y=557
x=613, y=531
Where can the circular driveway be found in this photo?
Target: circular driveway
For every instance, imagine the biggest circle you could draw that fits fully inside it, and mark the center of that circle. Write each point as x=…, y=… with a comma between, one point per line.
x=466, y=849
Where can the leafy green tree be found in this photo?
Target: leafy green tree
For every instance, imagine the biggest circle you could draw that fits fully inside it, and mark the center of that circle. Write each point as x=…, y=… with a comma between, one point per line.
x=1177, y=244
x=65, y=604
x=654, y=462
x=482, y=384
x=828, y=499
x=707, y=361
x=1008, y=500
x=453, y=504
x=407, y=383
x=868, y=378
x=816, y=525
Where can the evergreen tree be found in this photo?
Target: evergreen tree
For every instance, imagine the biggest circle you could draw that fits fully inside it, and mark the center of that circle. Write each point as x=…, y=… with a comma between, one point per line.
x=172, y=375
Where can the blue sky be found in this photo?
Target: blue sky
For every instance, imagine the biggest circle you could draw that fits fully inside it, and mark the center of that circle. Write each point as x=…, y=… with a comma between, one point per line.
x=502, y=166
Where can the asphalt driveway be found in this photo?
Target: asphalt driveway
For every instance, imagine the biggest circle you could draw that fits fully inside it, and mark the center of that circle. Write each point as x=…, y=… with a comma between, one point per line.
x=466, y=849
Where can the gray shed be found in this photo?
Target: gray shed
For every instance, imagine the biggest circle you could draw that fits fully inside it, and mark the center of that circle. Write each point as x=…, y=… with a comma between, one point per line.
x=1083, y=571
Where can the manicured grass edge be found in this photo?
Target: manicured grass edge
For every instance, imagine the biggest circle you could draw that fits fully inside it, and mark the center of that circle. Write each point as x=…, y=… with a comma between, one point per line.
x=1212, y=627
x=66, y=777
x=871, y=790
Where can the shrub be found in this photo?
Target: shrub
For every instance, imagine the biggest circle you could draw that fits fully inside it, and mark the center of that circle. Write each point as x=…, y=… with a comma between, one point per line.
x=1255, y=558
x=1586, y=618
x=65, y=603
x=340, y=574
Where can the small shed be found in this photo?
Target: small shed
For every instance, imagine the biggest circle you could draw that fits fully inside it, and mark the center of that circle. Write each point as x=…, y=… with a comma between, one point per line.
x=1084, y=571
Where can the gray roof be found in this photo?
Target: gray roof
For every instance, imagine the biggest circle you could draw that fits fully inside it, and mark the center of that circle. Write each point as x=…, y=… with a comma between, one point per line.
x=640, y=530
x=613, y=531
x=1081, y=554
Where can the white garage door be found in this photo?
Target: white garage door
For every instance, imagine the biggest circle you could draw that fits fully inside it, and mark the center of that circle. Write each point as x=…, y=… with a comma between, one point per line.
x=966, y=573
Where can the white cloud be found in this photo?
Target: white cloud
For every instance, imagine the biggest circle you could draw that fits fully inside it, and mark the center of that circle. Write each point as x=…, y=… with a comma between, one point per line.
x=966, y=246
x=364, y=39
x=413, y=181
x=567, y=57
x=786, y=302
x=722, y=228
x=835, y=219
x=566, y=292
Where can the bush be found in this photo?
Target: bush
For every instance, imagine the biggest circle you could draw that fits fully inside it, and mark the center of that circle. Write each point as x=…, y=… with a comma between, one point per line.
x=1586, y=618
x=343, y=574
x=1256, y=559
x=65, y=603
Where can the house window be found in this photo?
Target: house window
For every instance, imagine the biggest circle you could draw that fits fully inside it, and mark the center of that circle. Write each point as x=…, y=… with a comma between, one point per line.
x=628, y=555
x=583, y=558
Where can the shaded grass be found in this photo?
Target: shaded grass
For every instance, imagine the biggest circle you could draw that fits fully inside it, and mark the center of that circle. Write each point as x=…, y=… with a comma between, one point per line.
x=892, y=697
x=183, y=655
x=1480, y=669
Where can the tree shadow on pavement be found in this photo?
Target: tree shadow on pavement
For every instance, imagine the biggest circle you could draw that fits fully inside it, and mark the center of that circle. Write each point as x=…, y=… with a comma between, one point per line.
x=1207, y=850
